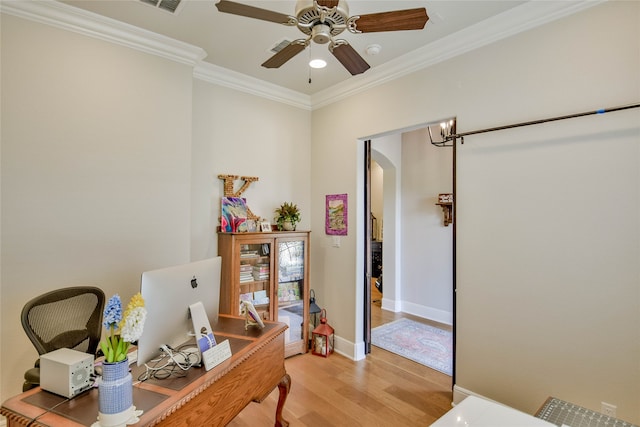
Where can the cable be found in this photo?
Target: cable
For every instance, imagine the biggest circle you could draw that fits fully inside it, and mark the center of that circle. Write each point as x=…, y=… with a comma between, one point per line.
x=172, y=362
x=33, y=420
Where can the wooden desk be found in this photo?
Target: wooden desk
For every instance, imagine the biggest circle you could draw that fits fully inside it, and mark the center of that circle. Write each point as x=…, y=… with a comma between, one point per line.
x=200, y=398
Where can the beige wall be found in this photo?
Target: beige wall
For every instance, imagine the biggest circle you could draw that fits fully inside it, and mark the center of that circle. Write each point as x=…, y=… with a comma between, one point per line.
x=417, y=261
x=95, y=170
x=377, y=194
x=427, y=245
x=548, y=293
x=240, y=134
x=110, y=160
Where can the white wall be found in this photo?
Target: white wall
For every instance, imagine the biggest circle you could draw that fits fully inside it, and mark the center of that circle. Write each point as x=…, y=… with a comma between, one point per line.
x=548, y=295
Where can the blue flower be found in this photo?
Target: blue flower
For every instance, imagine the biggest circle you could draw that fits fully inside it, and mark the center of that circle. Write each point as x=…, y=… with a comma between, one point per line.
x=113, y=312
x=115, y=346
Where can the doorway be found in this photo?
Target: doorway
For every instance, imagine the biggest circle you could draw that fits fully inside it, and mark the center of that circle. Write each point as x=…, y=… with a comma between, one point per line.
x=405, y=175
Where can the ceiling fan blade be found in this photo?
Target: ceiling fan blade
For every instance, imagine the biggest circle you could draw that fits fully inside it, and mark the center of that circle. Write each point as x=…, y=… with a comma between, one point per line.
x=328, y=3
x=291, y=50
x=234, y=8
x=398, y=20
x=349, y=58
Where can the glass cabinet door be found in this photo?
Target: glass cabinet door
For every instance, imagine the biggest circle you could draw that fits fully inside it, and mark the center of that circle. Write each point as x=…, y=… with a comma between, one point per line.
x=254, y=277
x=290, y=288
x=270, y=270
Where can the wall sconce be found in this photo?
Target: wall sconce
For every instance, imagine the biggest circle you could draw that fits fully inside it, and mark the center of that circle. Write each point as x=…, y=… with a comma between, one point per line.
x=445, y=201
x=447, y=131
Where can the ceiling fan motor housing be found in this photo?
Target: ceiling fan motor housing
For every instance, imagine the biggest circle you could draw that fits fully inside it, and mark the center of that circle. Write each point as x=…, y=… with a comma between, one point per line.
x=319, y=25
x=321, y=33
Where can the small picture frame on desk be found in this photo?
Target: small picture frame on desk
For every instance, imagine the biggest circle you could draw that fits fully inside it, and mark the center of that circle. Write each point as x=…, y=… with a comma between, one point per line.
x=265, y=226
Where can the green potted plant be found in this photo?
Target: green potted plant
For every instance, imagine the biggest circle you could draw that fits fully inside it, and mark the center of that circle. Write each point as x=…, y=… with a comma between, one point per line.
x=287, y=216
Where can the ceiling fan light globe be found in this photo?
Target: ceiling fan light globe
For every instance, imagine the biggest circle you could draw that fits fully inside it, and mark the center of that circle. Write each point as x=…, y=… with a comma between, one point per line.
x=317, y=63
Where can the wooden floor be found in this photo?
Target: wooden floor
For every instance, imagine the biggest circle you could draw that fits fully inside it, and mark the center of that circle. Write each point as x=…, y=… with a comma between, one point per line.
x=382, y=390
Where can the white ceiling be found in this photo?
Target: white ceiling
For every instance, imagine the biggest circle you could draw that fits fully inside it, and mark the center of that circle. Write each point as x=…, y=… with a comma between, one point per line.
x=241, y=44
x=228, y=49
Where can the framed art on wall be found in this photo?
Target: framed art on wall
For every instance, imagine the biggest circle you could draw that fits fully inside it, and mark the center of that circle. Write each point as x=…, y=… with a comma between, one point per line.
x=336, y=215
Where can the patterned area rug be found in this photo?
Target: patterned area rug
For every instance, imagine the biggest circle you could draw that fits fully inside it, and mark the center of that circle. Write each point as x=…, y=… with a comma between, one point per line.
x=421, y=343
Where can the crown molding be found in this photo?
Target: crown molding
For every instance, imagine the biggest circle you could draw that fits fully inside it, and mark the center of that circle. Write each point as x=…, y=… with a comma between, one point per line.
x=516, y=20
x=529, y=15
x=241, y=82
x=77, y=20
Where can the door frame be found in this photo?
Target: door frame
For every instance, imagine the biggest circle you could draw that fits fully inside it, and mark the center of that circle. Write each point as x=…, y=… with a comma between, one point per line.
x=367, y=248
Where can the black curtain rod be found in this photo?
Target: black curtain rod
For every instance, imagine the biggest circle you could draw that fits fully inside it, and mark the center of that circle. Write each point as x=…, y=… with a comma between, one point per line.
x=535, y=122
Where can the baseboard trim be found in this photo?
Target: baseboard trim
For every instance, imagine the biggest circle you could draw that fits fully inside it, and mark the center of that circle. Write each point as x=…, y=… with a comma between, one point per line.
x=460, y=393
x=426, y=312
x=349, y=349
x=391, y=305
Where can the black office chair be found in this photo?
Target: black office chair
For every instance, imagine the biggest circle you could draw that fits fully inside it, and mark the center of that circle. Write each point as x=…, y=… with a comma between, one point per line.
x=64, y=318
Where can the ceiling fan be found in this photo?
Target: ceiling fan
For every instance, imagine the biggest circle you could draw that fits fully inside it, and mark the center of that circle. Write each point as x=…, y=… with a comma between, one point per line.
x=322, y=20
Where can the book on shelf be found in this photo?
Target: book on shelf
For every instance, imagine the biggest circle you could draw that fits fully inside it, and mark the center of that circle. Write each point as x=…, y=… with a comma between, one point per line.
x=260, y=294
x=261, y=272
x=260, y=298
x=248, y=254
x=256, y=298
x=246, y=273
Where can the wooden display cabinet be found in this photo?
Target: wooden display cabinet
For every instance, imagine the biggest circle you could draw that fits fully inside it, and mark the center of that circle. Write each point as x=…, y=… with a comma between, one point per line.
x=272, y=271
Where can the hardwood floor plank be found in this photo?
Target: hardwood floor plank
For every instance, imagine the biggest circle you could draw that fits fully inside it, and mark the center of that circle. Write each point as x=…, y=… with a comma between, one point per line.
x=382, y=390
x=363, y=399
x=314, y=419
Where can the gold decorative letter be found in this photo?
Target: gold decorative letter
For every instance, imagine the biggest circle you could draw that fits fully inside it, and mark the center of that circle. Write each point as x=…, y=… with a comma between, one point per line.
x=230, y=192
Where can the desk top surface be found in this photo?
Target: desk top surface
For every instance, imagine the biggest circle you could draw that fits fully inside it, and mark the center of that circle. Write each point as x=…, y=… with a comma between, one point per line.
x=152, y=396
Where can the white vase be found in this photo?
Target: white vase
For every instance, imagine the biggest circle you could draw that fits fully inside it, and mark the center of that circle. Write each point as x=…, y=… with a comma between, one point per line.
x=288, y=226
x=115, y=396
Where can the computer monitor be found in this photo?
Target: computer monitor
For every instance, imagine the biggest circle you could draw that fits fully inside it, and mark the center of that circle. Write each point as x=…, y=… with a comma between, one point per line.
x=168, y=293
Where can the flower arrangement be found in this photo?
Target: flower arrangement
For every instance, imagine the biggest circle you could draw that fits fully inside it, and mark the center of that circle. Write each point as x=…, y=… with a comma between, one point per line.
x=287, y=212
x=115, y=346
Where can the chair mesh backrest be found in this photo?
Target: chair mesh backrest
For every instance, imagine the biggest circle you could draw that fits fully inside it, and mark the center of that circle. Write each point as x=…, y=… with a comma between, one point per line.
x=69, y=317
